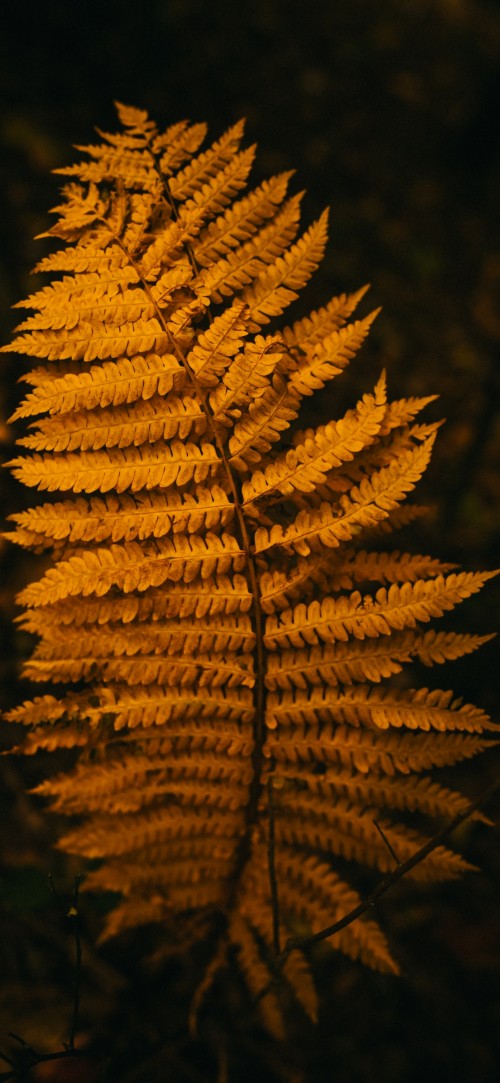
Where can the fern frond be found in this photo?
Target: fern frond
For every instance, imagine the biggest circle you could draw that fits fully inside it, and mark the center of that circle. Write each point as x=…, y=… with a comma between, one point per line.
x=208, y=164
x=239, y=221
x=313, y=893
x=201, y=603
x=365, y=506
x=393, y=609
x=61, y=294
x=85, y=258
x=173, y=637
x=143, y=423
x=113, y=383
x=350, y=832
x=130, y=782
x=381, y=792
x=211, y=198
x=277, y=287
x=215, y=347
x=113, y=308
x=158, y=706
x=258, y=975
x=219, y=595
x=110, y=835
x=261, y=425
x=367, y=751
x=318, y=325
x=295, y=972
x=132, y=165
x=364, y=660
x=313, y=456
x=330, y=356
x=123, y=518
x=380, y=708
x=119, y=469
x=359, y=566
x=247, y=378
x=87, y=343
x=207, y=670
x=134, y=567
x=177, y=144
x=236, y=271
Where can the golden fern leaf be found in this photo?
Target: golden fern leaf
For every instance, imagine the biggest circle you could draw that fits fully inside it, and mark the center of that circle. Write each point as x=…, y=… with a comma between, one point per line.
x=132, y=468
x=329, y=356
x=365, y=506
x=143, y=423
x=239, y=221
x=358, y=566
x=312, y=457
x=370, y=751
x=108, y=835
x=89, y=342
x=392, y=792
x=86, y=257
x=277, y=287
x=134, y=567
x=235, y=271
x=315, y=894
x=393, y=609
x=365, y=659
x=113, y=383
x=211, y=198
x=257, y=974
x=111, y=308
x=351, y=833
x=181, y=636
x=247, y=378
x=215, y=347
x=206, y=602
x=296, y=970
x=371, y=706
x=123, y=518
x=261, y=425
x=178, y=144
x=208, y=164
x=221, y=594
x=61, y=294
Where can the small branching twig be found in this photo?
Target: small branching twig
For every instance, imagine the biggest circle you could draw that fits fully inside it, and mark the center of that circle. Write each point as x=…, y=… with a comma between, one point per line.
x=402, y=868
x=74, y=913
x=391, y=878
x=27, y=1057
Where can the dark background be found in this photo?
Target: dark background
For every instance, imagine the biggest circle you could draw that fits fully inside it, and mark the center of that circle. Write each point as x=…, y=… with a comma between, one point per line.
x=389, y=113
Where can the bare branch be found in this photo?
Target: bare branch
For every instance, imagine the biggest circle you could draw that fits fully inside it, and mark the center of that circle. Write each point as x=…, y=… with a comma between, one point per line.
x=390, y=848
x=389, y=880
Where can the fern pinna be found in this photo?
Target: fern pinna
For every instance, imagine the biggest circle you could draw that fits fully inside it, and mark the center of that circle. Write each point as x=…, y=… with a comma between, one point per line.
x=230, y=639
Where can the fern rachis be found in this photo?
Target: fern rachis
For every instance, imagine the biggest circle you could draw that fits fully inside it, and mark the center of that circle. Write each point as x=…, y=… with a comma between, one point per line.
x=211, y=589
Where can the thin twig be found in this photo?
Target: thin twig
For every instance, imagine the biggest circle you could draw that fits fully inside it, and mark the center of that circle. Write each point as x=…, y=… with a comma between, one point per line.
x=69, y=1050
x=390, y=848
x=73, y=913
x=390, y=879
x=384, y=885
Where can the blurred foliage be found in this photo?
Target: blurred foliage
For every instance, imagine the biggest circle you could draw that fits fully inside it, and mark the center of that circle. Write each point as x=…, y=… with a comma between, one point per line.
x=388, y=112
